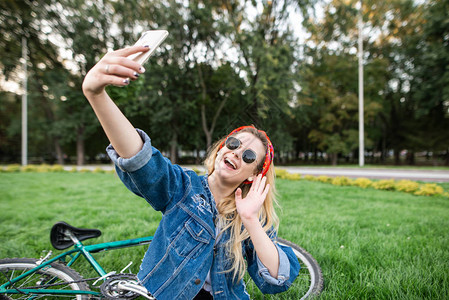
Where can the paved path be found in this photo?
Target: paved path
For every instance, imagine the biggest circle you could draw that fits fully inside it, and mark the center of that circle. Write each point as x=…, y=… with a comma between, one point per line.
x=412, y=174
x=373, y=173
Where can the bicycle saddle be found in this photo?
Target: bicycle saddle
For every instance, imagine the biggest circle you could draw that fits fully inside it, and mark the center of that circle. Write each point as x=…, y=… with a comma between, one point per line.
x=59, y=235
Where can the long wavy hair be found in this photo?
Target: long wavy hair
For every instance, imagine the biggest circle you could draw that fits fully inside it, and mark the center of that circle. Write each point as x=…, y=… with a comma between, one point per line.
x=229, y=219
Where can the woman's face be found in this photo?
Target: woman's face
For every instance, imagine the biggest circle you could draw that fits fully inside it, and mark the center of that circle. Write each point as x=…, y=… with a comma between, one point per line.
x=229, y=164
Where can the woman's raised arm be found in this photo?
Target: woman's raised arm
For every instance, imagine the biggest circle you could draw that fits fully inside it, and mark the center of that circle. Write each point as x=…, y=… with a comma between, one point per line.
x=114, y=69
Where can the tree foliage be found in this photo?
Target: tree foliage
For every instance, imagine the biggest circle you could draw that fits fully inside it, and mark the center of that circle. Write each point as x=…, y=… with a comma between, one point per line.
x=230, y=63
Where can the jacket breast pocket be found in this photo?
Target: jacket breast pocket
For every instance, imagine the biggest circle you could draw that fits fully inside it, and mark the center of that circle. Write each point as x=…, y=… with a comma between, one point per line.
x=189, y=241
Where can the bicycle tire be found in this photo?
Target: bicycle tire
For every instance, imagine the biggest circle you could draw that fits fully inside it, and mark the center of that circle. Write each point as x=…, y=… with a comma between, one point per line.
x=307, y=285
x=310, y=270
x=56, y=273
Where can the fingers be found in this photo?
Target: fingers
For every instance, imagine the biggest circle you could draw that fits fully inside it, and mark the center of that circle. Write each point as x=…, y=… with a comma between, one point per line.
x=115, y=80
x=262, y=183
x=258, y=184
x=123, y=70
x=238, y=194
x=131, y=50
x=115, y=68
x=265, y=192
x=255, y=184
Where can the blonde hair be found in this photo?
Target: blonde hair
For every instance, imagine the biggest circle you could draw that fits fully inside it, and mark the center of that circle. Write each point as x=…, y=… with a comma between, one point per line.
x=229, y=219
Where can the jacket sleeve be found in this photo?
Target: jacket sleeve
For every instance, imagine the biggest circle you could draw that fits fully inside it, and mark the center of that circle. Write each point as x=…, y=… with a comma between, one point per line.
x=287, y=272
x=150, y=175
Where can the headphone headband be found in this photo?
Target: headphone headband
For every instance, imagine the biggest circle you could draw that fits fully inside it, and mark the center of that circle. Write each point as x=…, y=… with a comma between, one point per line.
x=268, y=156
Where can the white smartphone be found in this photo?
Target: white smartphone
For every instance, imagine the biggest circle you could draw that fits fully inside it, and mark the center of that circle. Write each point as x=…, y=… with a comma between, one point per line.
x=151, y=38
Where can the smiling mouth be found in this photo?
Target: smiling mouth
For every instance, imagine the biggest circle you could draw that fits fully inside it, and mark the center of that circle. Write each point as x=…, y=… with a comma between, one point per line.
x=230, y=164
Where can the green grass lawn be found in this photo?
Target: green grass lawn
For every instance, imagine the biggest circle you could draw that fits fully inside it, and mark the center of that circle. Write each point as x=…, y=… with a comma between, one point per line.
x=369, y=243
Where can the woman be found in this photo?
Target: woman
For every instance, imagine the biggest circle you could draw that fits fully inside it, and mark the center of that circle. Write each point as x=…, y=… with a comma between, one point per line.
x=211, y=224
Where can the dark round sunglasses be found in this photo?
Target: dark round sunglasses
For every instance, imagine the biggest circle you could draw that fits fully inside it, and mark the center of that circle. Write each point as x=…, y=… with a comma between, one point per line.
x=248, y=155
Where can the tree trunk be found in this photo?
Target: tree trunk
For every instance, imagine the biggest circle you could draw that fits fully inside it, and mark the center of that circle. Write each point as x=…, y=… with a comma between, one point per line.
x=447, y=157
x=411, y=157
x=383, y=155
x=59, y=154
x=197, y=157
x=80, y=155
x=333, y=157
x=397, y=157
x=174, y=148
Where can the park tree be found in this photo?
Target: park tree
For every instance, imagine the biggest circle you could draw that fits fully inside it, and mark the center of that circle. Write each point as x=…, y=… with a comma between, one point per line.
x=232, y=63
x=394, y=24
x=330, y=81
x=268, y=62
x=89, y=30
x=429, y=84
x=31, y=21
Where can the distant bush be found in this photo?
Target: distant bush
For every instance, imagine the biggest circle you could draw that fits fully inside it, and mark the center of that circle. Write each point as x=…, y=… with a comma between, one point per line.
x=325, y=179
x=429, y=189
x=43, y=168
x=12, y=168
x=280, y=173
x=283, y=174
x=294, y=176
x=362, y=182
x=56, y=168
x=341, y=180
x=407, y=186
x=98, y=170
x=384, y=184
x=28, y=168
x=310, y=178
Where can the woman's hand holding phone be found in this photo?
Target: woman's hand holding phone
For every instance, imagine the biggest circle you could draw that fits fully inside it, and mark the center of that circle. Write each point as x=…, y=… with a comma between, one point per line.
x=119, y=67
x=115, y=68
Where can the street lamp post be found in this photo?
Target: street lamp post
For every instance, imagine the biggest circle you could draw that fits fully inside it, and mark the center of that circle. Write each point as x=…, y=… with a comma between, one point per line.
x=361, y=117
x=24, y=104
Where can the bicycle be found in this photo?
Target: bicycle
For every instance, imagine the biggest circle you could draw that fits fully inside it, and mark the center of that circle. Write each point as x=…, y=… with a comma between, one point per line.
x=54, y=278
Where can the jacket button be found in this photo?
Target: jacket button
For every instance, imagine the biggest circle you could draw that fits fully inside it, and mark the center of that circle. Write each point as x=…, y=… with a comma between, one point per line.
x=197, y=281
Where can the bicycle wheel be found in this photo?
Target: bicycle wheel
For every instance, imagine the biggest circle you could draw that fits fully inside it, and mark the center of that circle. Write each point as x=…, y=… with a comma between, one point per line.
x=56, y=274
x=308, y=284
x=310, y=280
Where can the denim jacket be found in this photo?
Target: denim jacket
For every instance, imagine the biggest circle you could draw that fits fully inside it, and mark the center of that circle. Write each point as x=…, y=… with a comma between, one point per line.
x=184, y=249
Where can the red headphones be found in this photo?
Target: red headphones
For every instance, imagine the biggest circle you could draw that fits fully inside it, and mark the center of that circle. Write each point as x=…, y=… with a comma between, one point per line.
x=268, y=156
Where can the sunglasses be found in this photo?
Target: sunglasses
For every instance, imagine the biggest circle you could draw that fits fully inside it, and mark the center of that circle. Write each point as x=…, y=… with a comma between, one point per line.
x=248, y=156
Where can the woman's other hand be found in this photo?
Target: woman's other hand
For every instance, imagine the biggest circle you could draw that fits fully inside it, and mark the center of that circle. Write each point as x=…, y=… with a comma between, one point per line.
x=115, y=68
x=248, y=208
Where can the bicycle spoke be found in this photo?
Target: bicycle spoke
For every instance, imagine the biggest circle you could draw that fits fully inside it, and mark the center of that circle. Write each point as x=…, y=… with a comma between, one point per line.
x=54, y=277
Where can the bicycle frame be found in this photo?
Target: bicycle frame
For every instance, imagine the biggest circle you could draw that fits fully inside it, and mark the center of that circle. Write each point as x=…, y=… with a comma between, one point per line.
x=74, y=254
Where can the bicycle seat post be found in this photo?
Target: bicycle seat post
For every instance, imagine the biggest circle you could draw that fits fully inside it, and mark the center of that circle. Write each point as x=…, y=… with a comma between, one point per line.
x=87, y=255
x=72, y=237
